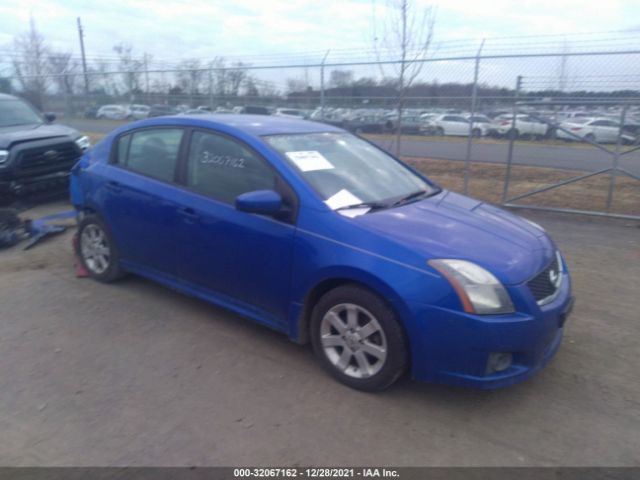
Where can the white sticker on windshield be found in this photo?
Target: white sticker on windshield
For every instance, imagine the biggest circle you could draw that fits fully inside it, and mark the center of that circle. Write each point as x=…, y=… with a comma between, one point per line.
x=353, y=212
x=310, y=161
x=343, y=198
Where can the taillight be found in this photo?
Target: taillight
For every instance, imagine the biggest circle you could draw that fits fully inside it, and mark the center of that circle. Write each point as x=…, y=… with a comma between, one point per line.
x=576, y=129
x=507, y=122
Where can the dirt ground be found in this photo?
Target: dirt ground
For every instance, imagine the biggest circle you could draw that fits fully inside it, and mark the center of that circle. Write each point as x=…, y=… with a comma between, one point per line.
x=486, y=182
x=135, y=374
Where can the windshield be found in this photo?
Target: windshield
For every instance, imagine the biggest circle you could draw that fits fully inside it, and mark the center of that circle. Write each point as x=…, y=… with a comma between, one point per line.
x=347, y=171
x=17, y=112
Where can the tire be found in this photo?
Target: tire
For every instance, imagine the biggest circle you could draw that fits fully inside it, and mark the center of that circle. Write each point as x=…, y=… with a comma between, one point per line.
x=590, y=137
x=97, y=250
x=439, y=131
x=358, y=339
x=476, y=132
x=513, y=133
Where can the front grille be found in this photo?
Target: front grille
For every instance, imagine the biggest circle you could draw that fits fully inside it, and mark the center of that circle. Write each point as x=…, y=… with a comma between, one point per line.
x=545, y=284
x=49, y=158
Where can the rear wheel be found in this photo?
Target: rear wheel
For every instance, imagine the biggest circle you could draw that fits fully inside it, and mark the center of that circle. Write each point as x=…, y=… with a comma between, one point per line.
x=97, y=250
x=476, y=132
x=590, y=137
x=439, y=131
x=513, y=134
x=359, y=339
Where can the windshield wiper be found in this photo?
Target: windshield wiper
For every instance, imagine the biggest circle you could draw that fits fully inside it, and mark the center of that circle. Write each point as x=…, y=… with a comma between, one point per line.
x=409, y=197
x=370, y=205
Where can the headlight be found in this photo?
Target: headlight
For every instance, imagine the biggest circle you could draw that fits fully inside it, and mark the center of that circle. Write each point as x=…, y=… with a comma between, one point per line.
x=83, y=142
x=479, y=291
x=4, y=155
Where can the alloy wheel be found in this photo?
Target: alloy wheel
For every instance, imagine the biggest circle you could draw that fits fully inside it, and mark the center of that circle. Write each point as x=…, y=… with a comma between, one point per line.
x=353, y=340
x=95, y=249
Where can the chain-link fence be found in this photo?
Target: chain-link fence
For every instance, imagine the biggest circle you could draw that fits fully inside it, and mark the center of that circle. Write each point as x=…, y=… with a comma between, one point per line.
x=497, y=119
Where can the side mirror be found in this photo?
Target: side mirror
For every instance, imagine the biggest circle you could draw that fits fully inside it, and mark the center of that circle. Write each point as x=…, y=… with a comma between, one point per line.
x=50, y=117
x=263, y=202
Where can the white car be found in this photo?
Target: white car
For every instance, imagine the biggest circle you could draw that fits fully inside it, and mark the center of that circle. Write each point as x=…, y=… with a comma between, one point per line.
x=525, y=126
x=138, y=112
x=289, y=113
x=600, y=130
x=482, y=125
x=113, y=112
x=445, y=125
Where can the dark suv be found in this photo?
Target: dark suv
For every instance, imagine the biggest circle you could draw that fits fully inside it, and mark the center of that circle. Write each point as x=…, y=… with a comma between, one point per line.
x=34, y=153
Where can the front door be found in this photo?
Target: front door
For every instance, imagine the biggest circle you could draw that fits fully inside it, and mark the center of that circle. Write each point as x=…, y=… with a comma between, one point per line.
x=242, y=257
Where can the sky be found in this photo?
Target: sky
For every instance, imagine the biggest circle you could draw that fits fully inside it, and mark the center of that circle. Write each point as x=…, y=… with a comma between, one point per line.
x=300, y=31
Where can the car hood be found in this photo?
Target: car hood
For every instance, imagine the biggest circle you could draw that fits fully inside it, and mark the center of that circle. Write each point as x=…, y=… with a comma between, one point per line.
x=23, y=133
x=449, y=225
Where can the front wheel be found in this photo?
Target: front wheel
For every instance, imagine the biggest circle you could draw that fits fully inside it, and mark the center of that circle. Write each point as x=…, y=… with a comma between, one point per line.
x=358, y=338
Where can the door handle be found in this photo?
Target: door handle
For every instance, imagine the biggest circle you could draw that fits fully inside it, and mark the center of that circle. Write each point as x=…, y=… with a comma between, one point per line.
x=114, y=186
x=189, y=213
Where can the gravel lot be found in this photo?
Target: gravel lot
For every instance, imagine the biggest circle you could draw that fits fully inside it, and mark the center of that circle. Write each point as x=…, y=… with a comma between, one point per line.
x=135, y=374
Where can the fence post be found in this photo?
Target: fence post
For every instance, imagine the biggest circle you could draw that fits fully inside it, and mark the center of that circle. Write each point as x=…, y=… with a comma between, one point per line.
x=322, y=85
x=616, y=159
x=474, y=93
x=211, y=88
x=511, y=133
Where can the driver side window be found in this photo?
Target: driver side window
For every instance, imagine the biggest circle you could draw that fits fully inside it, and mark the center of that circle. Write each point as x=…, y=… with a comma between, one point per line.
x=223, y=168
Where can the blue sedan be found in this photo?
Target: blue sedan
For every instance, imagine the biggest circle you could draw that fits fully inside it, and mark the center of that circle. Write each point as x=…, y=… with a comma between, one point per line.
x=316, y=233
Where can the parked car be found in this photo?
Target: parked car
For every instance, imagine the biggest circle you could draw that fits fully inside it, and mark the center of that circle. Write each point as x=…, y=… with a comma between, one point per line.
x=35, y=153
x=138, y=112
x=482, y=125
x=525, y=126
x=91, y=112
x=113, y=112
x=446, y=125
x=289, y=113
x=161, y=110
x=194, y=111
x=600, y=130
x=318, y=234
x=254, y=110
x=365, y=124
x=409, y=124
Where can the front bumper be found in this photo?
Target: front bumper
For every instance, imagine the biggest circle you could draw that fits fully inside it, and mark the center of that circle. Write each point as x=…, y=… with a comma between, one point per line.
x=24, y=185
x=453, y=347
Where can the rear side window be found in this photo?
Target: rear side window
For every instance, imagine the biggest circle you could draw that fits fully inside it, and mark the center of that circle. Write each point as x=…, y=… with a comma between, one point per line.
x=152, y=152
x=223, y=168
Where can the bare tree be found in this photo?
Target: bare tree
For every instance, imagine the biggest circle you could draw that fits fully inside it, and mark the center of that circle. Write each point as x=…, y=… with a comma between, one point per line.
x=236, y=77
x=407, y=33
x=218, y=65
x=133, y=68
x=295, y=85
x=63, y=67
x=31, y=64
x=190, y=77
x=341, y=78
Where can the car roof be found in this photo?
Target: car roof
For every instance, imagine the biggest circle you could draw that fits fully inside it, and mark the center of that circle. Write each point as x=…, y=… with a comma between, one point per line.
x=253, y=124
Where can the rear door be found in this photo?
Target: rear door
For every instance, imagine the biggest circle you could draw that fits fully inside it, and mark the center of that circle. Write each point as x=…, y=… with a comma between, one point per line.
x=136, y=197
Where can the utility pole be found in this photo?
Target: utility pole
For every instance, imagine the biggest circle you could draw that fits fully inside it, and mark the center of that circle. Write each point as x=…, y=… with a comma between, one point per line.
x=84, y=59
